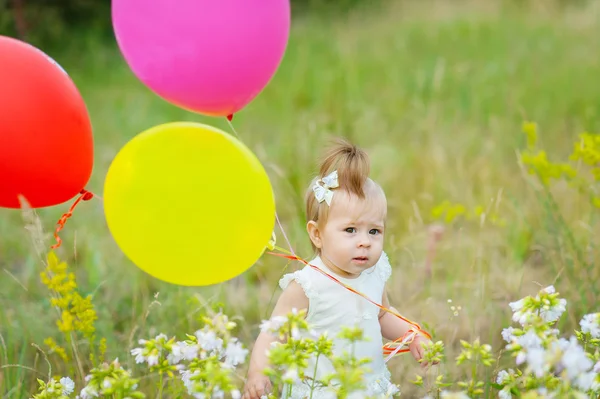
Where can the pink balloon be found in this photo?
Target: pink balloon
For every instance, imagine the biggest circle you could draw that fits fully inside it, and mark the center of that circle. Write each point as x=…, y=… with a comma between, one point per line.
x=208, y=56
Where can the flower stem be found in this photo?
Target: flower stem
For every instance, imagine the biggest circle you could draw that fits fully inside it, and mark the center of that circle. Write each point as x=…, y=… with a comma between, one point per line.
x=76, y=356
x=312, y=388
x=160, y=386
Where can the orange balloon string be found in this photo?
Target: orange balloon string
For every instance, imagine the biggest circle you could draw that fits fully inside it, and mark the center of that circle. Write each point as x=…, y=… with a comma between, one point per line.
x=84, y=196
x=391, y=348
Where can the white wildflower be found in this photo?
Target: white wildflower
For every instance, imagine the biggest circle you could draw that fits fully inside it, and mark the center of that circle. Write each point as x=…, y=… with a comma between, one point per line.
x=272, y=325
x=218, y=394
x=597, y=367
x=186, y=377
x=503, y=376
x=585, y=381
x=68, y=386
x=454, y=395
x=544, y=392
x=354, y=394
x=138, y=353
x=518, y=305
x=176, y=353
x=530, y=340
x=575, y=360
x=507, y=334
x=182, y=350
x=291, y=376
x=107, y=383
x=591, y=324
x=504, y=394
x=553, y=332
x=235, y=353
x=535, y=361
x=235, y=394
x=550, y=289
x=266, y=326
x=161, y=336
x=209, y=341
x=519, y=316
x=550, y=314
x=190, y=352
x=89, y=392
x=152, y=359
x=295, y=333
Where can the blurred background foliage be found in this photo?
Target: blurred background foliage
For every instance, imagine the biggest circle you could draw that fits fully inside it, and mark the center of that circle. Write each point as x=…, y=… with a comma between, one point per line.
x=49, y=23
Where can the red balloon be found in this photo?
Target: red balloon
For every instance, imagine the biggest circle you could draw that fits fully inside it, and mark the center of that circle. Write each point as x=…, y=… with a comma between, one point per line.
x=46, y=143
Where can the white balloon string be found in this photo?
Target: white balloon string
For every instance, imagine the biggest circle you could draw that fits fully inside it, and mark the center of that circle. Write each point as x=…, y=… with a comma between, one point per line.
x=276, y=216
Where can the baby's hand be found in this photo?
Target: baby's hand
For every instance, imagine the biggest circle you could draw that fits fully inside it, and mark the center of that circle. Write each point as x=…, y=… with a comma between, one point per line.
x=256, y=386
x=417, y=350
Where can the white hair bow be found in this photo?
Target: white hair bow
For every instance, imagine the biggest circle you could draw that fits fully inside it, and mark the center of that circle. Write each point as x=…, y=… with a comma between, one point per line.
x=322, y=187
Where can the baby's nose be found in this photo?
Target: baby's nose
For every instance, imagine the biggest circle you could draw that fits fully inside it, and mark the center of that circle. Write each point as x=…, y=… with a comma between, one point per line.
x=364, y=241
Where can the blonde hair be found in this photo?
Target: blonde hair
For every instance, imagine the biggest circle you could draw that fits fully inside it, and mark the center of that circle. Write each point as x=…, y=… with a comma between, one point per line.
x=353, y=168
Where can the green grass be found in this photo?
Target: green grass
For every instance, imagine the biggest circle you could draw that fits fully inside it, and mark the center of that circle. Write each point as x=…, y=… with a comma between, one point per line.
x=436, y=93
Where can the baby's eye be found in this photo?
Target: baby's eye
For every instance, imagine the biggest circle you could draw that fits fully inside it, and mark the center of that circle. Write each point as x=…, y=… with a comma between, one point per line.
x=374, y=231
x=350, y=230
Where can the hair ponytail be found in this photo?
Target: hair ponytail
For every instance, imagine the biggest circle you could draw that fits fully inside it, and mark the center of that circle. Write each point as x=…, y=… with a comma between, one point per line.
x=353, y=167
x=351, y=163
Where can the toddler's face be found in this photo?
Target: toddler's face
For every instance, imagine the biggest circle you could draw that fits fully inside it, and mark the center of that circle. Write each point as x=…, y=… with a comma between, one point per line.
x=352, y=238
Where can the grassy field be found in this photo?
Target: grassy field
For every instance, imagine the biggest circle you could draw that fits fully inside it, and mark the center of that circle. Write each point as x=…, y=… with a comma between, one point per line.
x=436, y=92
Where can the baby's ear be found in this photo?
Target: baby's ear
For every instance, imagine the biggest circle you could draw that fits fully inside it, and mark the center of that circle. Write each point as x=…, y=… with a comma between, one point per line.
x=314, y=233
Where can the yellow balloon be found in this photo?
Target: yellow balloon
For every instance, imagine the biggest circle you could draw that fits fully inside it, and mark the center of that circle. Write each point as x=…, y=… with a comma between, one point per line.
x=189, y=204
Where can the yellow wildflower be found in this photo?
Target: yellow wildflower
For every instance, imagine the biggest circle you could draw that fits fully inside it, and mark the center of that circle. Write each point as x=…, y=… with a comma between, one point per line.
x=439, y=210
x=102, y=348
x=451, y=212
x=65, y=324
x=77, y=314
x=530, y=129
x=538, y=164
x=55, y=348
x=587, y=149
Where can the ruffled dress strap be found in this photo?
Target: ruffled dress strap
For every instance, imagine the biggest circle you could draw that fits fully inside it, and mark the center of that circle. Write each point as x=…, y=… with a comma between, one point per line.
x=384, y=269
x=303, y=278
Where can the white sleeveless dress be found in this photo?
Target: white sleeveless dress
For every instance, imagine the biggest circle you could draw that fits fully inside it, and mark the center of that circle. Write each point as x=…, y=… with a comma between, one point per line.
x=332, y=306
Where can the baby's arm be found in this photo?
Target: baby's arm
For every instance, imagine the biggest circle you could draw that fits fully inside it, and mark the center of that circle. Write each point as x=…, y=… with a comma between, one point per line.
x=257, y=383
x=393, y=328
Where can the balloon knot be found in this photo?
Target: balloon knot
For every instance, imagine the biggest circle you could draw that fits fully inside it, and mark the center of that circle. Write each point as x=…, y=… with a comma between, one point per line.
x=86, y=195
x=229, y=117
